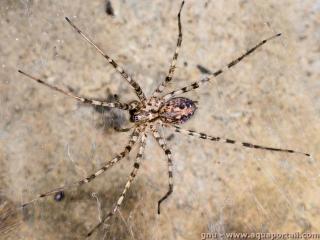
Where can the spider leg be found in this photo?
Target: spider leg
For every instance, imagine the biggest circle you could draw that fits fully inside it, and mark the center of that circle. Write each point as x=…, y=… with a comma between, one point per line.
x=122, y=129
x=119, y=105
x=162, y=86
x=133, y=139
x=230, y=141
x=132, y=82
x=132, y=176
x=167, y=151
x=134, y=104
x=206, y=79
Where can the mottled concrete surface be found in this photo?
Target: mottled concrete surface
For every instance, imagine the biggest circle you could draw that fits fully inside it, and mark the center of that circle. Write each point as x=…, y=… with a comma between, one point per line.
x=271, y=98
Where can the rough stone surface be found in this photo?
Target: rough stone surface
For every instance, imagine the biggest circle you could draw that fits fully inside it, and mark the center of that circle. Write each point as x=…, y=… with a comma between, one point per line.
x=271, y=98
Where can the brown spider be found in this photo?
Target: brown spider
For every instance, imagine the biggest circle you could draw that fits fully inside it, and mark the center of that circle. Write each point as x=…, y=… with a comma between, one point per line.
x=148, y=115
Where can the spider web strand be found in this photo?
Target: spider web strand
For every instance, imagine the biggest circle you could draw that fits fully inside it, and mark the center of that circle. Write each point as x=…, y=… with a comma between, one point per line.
x=132, y=176
x=133, y=139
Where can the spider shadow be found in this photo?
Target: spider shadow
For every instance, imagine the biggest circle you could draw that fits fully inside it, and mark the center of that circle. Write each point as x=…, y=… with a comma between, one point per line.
x=110, y=118
x=10, y=219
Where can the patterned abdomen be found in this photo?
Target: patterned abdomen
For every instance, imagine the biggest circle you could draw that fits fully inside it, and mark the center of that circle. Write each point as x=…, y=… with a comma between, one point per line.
x=177, y=110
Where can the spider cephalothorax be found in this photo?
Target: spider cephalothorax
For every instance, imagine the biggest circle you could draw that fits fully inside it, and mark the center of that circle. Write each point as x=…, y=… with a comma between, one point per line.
x=149, y=115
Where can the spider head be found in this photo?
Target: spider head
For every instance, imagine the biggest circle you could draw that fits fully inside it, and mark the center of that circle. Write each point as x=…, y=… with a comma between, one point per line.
x=133, y=115
x=134, y=111
x=138, y=115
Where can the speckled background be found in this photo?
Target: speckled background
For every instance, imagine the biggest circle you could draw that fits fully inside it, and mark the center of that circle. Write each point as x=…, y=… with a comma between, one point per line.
x=271, y=98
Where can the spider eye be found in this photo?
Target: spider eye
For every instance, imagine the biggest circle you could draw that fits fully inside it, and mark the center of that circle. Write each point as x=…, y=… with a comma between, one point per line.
x=134, y=118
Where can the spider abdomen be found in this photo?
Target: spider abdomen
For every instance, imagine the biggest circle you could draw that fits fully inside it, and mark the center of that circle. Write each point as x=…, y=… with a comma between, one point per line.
x=177, y=110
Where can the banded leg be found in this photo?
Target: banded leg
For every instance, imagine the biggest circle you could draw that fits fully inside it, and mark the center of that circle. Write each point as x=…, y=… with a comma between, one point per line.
x=133, y=139
x=118, y=105
x=132, y=82
x=230, y=141
x=206, y=79
x=162, y=86
x=167, y=151
x=132, y=176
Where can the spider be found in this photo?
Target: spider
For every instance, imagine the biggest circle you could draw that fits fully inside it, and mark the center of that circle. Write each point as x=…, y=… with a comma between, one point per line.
x=148, y=115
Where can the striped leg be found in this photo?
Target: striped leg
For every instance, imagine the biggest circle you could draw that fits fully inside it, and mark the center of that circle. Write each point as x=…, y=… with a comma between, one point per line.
x=167, y=151
x=162, y=86
x=230, y=141
x=119, y=105
x=132, y=82
x=132, y=176
x=197, y=84
x=133, y=139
